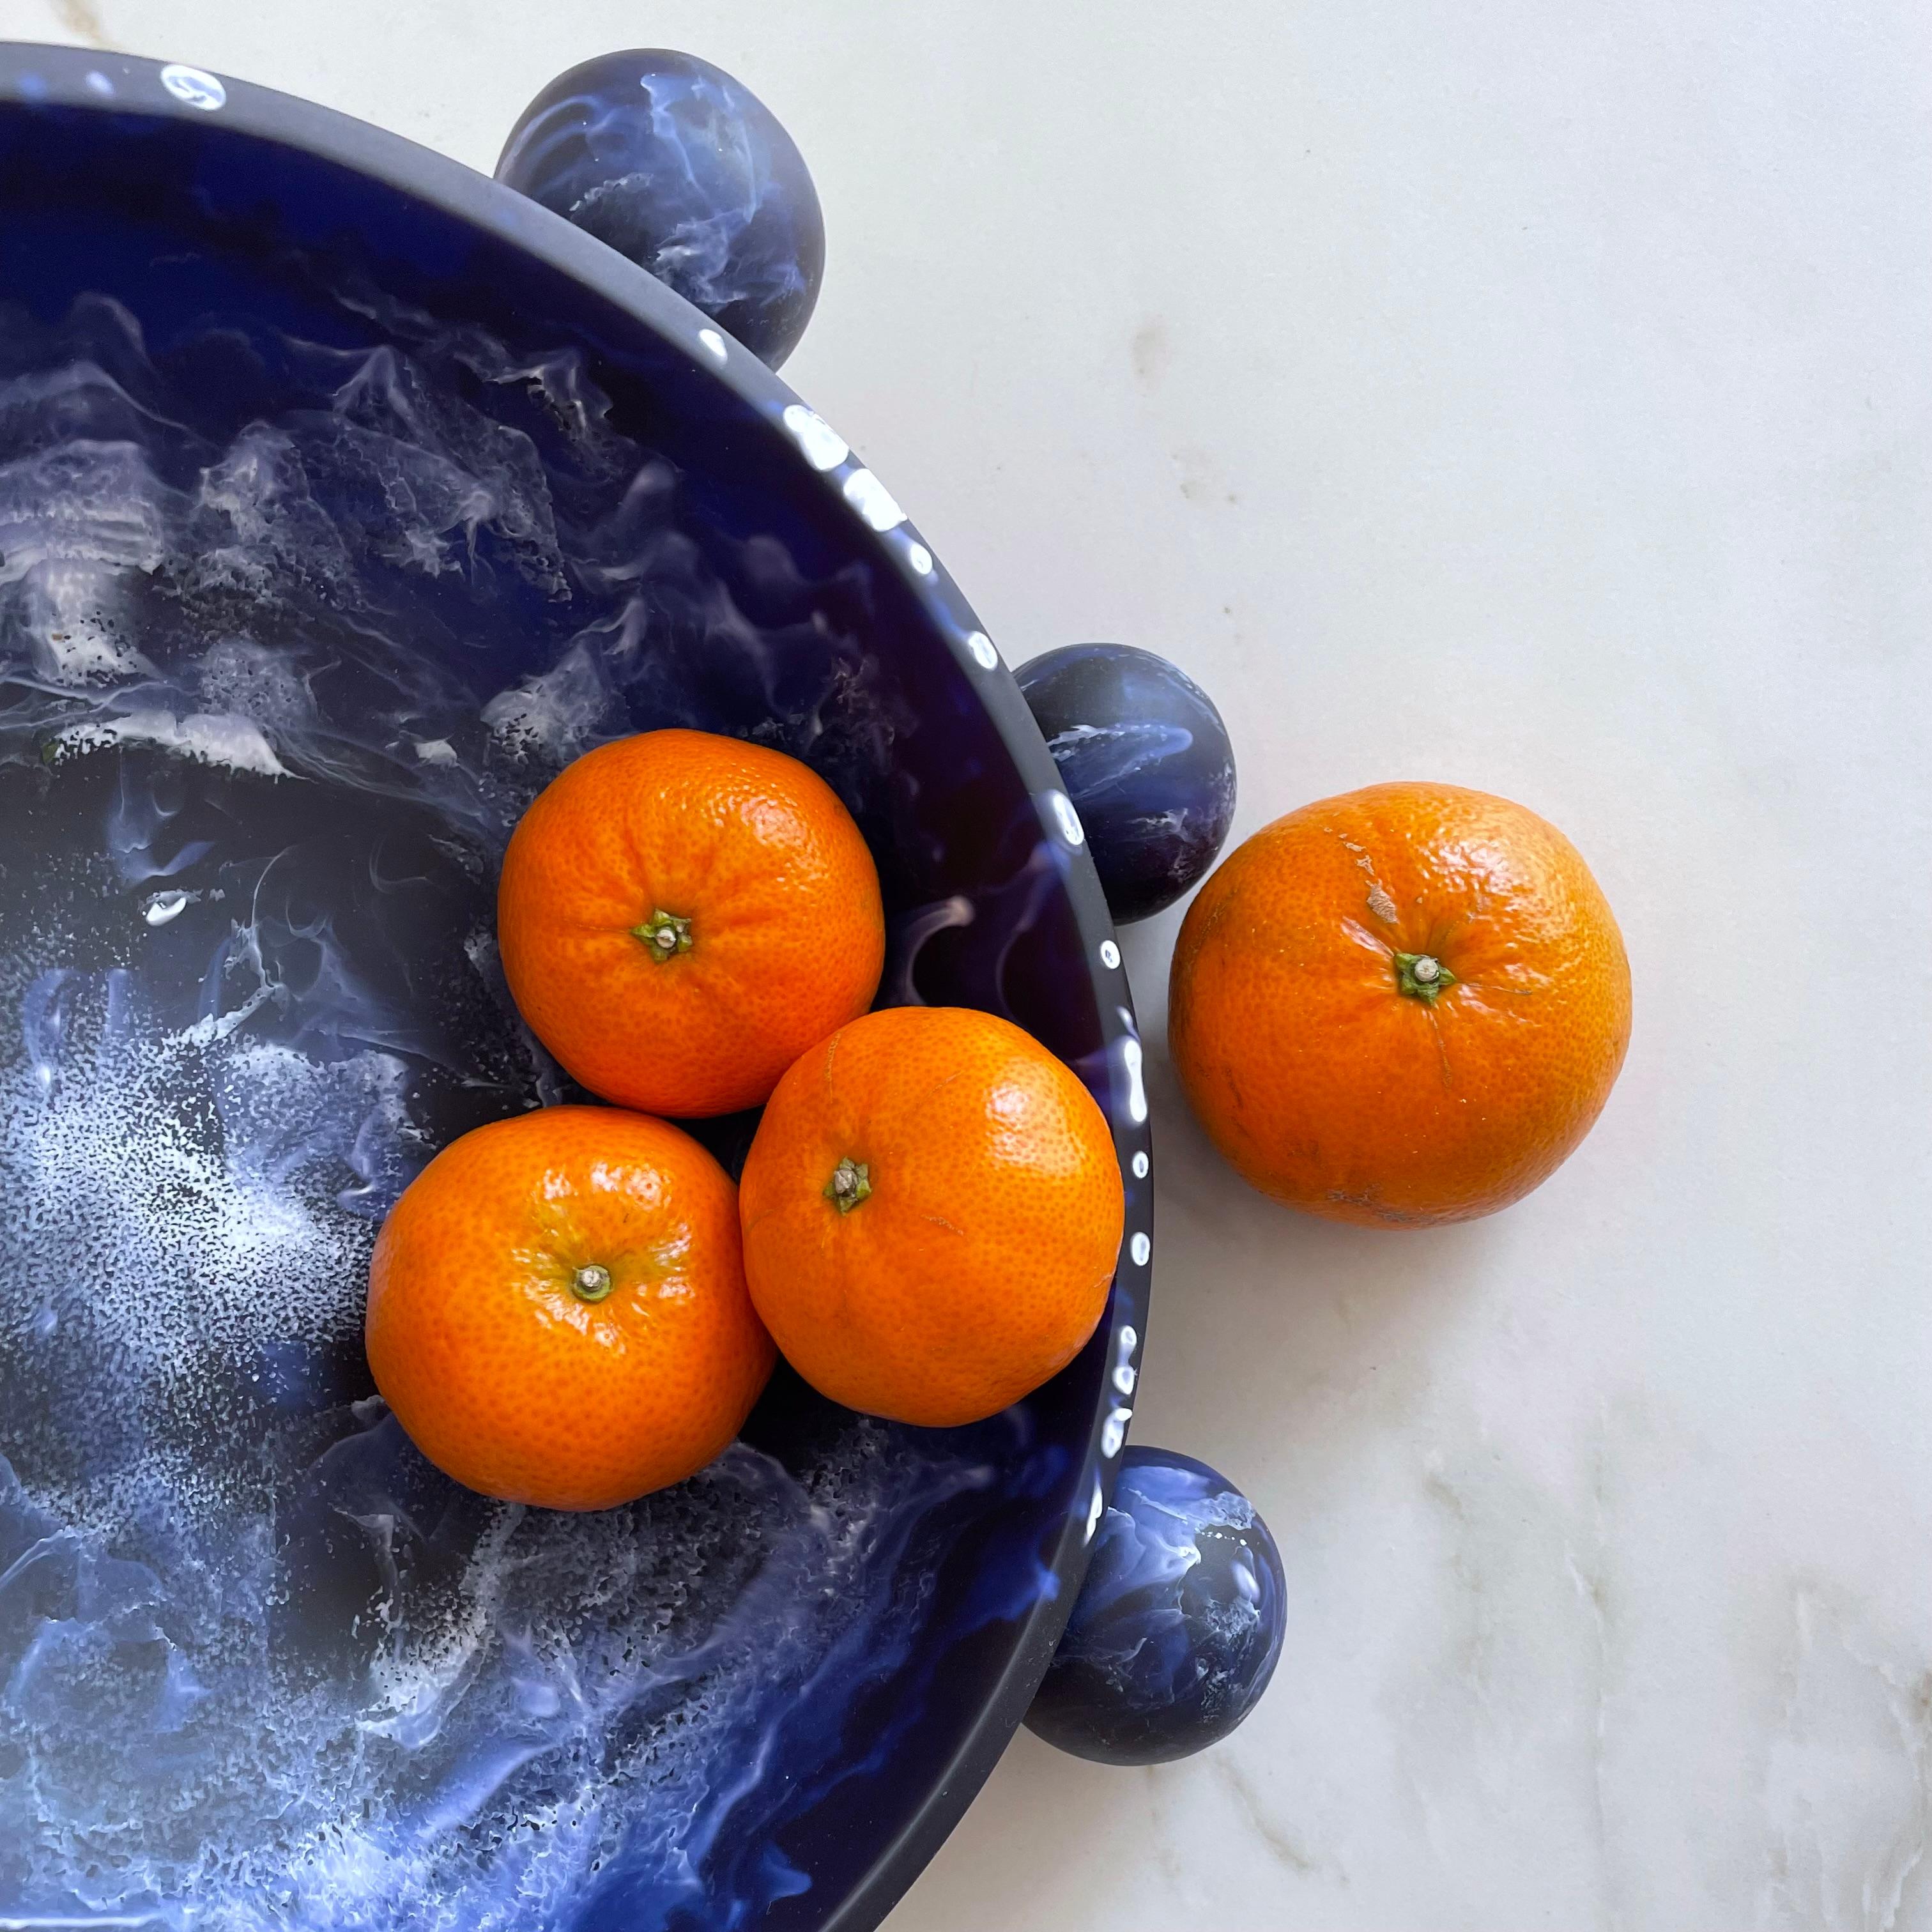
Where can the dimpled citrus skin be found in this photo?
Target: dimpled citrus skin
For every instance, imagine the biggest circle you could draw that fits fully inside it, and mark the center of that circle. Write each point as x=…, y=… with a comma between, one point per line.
x=1325, y=1085
x=980, y=1264
x=787, y=934
x=508, y=1382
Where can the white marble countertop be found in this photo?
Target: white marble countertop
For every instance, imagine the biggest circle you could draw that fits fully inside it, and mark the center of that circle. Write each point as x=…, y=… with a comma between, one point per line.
x=1534, y=397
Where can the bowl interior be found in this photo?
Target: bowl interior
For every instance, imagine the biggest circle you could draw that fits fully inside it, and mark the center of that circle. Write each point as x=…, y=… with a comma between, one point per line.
x=333, y=522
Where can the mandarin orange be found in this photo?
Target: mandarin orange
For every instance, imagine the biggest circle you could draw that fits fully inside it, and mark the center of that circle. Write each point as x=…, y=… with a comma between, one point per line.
x=932, y=1211
x=681, y=915
x=1404, y=1005
x=557, y=1309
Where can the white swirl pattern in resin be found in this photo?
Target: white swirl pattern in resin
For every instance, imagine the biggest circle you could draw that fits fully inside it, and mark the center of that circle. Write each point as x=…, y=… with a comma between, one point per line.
x=269, y=705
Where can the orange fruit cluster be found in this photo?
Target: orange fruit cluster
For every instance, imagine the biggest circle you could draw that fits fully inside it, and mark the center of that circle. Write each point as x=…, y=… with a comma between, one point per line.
x=1402, y=1006
x=576, y=1306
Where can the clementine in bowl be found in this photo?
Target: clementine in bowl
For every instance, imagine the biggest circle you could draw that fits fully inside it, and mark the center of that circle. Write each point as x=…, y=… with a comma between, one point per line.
x=682, y=915
x=1401, y=1006
x=557, y=1309
x=932, y=1213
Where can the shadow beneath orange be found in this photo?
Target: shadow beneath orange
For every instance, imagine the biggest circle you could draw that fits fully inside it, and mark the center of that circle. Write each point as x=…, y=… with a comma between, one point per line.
x=1278, y=1341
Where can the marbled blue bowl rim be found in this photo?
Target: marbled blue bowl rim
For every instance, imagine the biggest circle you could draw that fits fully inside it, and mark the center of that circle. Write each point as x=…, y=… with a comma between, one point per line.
x=33, y=75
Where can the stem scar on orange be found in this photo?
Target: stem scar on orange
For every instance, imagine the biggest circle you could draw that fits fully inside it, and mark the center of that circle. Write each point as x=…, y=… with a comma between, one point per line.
x=1401, y=1006
x=681, y=915
x=557, y=1309
x=932, y=1211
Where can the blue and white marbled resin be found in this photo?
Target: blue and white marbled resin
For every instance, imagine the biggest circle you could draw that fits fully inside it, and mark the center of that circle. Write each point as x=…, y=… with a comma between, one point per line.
x=682, y=169
x=290, y=632
x=1179, y=1625
x=1145, y=758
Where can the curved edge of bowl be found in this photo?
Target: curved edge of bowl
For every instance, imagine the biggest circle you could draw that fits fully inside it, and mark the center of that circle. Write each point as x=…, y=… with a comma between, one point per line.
x=33, y=75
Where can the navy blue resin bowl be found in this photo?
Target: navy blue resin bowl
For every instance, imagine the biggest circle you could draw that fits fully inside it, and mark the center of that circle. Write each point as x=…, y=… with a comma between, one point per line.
x=683, y=169
x=1179, y=1625
x=345, y=495
x=1145, y=758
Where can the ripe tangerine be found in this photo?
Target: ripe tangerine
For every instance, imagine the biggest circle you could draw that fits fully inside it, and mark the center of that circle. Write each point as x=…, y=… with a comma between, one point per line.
x=932, y=1211
x=1401, y=1006
x=682, y=915
x=557, y=1309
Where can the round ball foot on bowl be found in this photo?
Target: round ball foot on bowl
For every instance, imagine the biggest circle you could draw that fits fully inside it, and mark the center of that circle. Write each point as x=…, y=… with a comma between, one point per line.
x=1178, y=1627
x=1145, y=758
x=686, y=171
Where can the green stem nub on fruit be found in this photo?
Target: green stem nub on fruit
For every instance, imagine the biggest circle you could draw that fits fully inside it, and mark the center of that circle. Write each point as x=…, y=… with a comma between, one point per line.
x=591, y=1284
x=1422, y=977
x=851, y=1183
x=665, y=935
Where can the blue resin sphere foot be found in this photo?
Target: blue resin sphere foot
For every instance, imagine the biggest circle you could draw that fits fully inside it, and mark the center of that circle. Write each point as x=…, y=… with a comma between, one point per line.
x=1179, y=1625
x=1145, y=758
x=686, y=171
